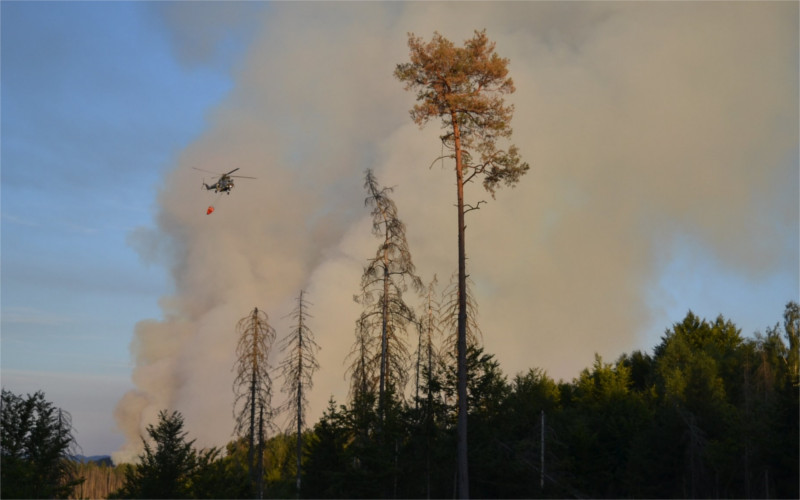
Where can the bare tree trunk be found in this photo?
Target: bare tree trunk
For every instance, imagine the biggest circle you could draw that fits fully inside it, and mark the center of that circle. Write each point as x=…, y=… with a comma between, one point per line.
x=465, y=82
x=419, y=360
x=260, y=466
x=300, y=394
x=299, y=450
x=384, y=339
x=252, y=437
x=297, y=370
x=253, y=387
x=463, y=461
x=429, y=418
x=384, y=318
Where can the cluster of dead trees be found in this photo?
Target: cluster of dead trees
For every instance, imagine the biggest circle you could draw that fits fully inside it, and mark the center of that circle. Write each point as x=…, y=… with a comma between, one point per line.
x=464, y=88
x=253, y=409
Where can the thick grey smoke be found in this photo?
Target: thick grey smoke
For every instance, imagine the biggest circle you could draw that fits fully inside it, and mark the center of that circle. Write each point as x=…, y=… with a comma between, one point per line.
x=644, y=124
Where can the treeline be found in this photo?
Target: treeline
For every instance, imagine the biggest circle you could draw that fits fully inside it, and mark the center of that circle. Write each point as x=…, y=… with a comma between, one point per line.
x=709, y=414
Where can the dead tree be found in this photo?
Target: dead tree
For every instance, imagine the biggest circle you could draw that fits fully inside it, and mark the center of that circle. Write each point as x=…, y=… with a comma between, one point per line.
x=297, y=370
x=252, y=386
x=362, y=363
x=449, y=318
x=429, y=328
x=385, y=278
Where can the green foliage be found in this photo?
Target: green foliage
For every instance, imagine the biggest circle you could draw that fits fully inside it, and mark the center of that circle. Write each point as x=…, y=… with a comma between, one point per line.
x=35, y=441
x=327, y=462
x=174, y=469
x=708, y=414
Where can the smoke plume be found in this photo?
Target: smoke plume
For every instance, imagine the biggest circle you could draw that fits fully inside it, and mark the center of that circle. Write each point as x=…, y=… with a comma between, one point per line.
x=644, y=124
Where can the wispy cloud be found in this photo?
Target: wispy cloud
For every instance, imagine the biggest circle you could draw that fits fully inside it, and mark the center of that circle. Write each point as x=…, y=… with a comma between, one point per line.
x=52, y=224
x=21, y=221
x=21, y=315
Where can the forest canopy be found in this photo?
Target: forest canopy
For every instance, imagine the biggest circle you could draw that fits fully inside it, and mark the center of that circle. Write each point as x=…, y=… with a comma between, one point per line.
x=709, y=413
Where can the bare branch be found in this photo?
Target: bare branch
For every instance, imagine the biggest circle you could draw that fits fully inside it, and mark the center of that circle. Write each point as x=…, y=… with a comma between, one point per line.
x=470, y=208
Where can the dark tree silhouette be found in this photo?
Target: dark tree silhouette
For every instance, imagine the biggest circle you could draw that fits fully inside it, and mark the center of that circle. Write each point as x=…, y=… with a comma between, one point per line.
x=172, y=469
x=709, y=413
x=36, y=444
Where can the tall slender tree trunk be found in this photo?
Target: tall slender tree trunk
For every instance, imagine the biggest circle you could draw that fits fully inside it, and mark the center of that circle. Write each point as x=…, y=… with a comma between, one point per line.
x=419, y=360
x=300, y=395
x=429, y=416
x=253, y=387
x=260, y=467
x=463, y=461
x=384, y=333
x=251, y=450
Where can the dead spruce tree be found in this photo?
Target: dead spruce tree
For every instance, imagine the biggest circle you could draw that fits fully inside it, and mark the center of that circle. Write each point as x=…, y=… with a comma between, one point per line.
x=362, y=362
x=463, y=86
x=449, y=317
x=429, y=328
x=252, y=387
x=385, y=315
x=297, y=370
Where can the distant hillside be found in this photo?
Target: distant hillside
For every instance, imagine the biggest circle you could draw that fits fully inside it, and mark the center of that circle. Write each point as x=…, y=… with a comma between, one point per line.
x=99, y=459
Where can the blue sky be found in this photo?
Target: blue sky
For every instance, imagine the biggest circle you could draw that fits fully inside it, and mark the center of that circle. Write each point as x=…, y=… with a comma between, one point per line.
x=103, y=102
x=95, y=106
x=94, y=109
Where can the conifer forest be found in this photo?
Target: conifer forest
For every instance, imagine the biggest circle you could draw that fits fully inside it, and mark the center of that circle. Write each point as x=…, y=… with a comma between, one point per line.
x=709, y=413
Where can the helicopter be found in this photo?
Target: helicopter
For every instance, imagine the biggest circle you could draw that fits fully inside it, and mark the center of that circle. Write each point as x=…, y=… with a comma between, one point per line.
x=225, y=182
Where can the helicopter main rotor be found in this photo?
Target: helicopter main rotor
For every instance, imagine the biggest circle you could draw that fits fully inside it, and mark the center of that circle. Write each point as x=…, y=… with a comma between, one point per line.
x=227, y=174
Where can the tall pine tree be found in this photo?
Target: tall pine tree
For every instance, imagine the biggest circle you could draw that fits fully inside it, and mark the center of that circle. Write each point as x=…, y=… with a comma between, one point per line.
x=464, y=87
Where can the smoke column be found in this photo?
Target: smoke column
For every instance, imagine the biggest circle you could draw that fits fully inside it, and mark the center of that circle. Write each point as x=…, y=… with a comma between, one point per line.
x=646, y=125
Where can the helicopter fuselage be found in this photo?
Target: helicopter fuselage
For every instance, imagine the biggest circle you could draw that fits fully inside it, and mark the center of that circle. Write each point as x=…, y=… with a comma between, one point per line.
x=223, y=185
